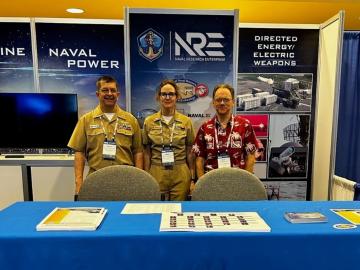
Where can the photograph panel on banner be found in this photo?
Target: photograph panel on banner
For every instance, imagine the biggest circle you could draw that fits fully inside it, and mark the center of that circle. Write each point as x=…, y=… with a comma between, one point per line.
x=286, y=190
x=72, y=56
x=288, y=145
x=16, y=59
x=277, y=76
x=259, y=122
x=276, y=92
x=197, y=56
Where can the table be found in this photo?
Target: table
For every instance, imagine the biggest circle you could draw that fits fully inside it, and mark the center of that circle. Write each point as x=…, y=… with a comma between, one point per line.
x=29, y=161
x=134, y=241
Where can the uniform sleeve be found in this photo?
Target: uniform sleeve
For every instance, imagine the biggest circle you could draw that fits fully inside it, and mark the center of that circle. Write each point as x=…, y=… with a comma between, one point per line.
x=137, y=144
x=145, y=132
x=199, y=146
x=78, y=139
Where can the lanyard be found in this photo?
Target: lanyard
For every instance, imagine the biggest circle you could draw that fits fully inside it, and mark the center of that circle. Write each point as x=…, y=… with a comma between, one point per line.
x=171, y=134
x=103, y=128
x=229, y=136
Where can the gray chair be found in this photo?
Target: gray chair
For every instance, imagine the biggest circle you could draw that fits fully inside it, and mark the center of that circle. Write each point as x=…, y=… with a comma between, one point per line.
x=229, y=184
x=119, y=183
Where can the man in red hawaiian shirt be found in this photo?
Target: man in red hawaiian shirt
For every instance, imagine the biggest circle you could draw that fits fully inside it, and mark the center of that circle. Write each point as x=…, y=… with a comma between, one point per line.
x=226, y=140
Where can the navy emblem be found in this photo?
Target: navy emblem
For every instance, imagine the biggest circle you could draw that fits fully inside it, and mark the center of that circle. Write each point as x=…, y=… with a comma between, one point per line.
x=150, y=44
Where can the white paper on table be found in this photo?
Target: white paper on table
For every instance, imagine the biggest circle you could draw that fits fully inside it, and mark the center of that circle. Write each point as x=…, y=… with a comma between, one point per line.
x=213, y=222
x=151, y=208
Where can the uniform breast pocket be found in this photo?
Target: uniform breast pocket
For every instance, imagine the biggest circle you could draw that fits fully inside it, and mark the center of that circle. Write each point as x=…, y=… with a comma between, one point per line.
x=124, y=137
x=155, y=136
x=179, y=136
x=95, y=136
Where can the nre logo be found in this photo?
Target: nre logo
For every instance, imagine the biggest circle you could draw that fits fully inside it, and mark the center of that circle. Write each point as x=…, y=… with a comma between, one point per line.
x=196, y=44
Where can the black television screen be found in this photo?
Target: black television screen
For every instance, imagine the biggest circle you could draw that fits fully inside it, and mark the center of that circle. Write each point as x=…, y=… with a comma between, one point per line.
x=34, y=120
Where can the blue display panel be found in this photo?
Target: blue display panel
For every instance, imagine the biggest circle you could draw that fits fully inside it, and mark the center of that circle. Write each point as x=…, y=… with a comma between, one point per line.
x=196, y=55
x=16, y=63
x=72, y=56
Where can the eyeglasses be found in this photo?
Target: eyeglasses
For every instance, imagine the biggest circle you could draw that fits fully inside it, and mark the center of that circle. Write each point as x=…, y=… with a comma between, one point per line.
x=170, y=94
x=108, y=90
x=220, y=100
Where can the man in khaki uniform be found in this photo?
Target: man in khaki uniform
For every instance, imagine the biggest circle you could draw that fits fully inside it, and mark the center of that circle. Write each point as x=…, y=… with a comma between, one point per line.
x=168, y=137
x=107, y=135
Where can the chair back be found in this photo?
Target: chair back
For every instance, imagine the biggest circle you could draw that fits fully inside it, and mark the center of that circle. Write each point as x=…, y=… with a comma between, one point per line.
x=119, y=183
x=229, y=184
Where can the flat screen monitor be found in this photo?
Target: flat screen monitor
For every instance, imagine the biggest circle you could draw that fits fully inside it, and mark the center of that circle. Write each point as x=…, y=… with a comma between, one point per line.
x=34, y=120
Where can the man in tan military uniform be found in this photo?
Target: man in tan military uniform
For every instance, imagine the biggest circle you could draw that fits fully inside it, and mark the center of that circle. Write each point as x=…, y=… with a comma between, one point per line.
x=174, y=131
x=107, y=135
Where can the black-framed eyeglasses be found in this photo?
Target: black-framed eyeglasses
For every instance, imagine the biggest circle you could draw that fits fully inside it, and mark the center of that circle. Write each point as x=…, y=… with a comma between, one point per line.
x=169, y=94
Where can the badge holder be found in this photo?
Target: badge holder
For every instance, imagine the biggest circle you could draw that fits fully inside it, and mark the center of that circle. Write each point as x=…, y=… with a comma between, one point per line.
x=223, y=160
x=167, y=157
x=109, y=150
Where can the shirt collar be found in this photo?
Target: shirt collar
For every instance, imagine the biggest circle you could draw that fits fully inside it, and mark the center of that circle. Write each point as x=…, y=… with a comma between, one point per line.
x=217, y=122
x=117, y=110
x=175, y=117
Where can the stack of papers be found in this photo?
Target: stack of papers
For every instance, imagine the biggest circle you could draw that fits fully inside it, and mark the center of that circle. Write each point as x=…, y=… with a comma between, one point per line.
x=213, y=222
x=305, y=217
x=72, y=219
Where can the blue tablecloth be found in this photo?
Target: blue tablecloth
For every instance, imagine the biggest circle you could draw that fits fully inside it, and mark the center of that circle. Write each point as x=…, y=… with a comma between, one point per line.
x=134, y=241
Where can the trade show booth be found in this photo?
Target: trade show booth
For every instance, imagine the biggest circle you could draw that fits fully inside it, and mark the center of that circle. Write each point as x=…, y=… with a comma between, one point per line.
x=286, y=79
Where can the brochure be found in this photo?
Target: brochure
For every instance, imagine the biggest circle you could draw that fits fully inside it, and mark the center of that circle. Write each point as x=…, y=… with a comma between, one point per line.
x=305, y=217
x=72, y=219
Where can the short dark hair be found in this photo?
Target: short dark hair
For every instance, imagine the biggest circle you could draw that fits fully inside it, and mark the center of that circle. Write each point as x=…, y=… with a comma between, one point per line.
x=224, y=85
x=107, y=79
x=165, y=82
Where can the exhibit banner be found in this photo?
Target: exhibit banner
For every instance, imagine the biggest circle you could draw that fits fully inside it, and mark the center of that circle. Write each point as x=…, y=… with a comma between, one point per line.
x=73, y=54
x=168, y=44
x=16, y=58
x=276, y=91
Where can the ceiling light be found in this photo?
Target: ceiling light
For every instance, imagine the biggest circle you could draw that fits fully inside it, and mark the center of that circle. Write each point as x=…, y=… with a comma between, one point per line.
x=75, y=10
